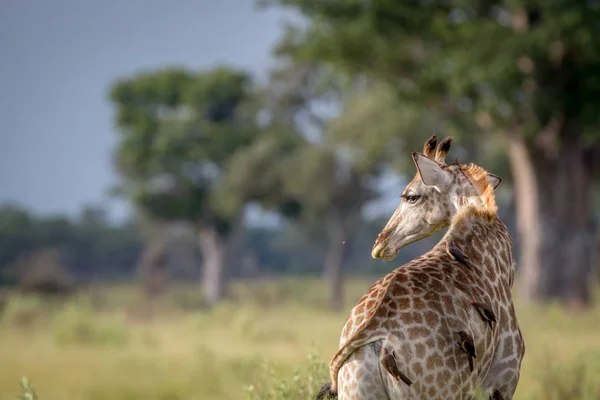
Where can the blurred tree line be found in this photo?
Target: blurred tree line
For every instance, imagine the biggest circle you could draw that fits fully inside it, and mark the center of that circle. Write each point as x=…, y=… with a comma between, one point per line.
x=55, y=254
x=55, y=249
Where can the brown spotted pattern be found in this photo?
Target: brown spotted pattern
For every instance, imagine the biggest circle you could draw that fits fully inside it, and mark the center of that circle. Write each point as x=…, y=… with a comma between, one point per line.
x=417, y=310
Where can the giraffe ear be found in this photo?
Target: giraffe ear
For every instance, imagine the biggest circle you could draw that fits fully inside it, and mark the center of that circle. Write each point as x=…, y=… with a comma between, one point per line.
x=494, y=180
x=432, y=173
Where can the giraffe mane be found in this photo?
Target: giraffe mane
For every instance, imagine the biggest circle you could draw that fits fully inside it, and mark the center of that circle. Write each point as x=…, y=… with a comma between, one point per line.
x=479, y=178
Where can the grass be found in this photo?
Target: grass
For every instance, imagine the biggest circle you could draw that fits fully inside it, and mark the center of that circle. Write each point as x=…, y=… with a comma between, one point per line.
x=28, y=390
x=270, y=341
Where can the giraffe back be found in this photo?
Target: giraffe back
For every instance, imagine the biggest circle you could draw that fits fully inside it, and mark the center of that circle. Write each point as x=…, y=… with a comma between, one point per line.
x=418, y=308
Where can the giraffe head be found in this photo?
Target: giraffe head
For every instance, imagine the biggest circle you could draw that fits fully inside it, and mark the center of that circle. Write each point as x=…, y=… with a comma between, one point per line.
x=434, y=196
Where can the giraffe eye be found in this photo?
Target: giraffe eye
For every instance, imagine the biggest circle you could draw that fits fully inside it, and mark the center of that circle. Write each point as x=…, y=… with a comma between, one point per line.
x=411, y=198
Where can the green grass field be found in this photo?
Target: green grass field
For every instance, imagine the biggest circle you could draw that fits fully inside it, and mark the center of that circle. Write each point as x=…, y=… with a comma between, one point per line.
x=270, y=341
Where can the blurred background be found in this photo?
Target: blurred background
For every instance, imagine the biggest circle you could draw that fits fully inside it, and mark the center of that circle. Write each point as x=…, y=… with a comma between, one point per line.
x=189, y=190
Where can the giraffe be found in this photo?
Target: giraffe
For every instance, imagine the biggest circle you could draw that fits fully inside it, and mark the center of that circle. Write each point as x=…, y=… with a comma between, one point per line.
x=422, y=312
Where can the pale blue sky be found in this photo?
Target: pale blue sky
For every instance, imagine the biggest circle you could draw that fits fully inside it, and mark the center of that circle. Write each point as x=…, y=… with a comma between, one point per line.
x=57, y=59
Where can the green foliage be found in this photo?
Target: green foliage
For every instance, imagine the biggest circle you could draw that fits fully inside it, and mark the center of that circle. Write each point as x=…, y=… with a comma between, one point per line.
x=357, y=121
x=501, y=58
x=258, y=173
x=323, y=174
x=180, y=129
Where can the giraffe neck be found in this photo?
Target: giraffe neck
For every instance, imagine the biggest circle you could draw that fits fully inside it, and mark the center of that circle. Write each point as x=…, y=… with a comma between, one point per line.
x=466, y=204
x=479, y=232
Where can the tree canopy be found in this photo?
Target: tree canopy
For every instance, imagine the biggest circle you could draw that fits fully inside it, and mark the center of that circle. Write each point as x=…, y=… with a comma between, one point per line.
x=490, y=60
x=179, y=130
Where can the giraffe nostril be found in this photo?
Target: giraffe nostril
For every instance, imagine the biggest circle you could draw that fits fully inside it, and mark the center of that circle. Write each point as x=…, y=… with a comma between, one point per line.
x=383, y=235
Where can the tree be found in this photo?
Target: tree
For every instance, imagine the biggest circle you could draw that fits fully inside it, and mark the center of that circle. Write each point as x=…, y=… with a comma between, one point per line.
x=523, y=71
x=180, y=131
x=330, y=183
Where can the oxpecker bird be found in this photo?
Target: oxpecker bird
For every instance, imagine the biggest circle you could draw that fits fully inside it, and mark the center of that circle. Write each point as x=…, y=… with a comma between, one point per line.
x=486, y=313
x=457, y=254
x=389, y=363
x=466, y=344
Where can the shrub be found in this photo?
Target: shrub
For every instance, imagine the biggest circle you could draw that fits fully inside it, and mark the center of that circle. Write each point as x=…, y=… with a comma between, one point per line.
x=44, y=272
x=77, y=324
x=23, y=310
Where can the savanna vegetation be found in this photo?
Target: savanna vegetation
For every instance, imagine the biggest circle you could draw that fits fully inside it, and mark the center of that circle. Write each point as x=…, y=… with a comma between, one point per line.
x=270, y=340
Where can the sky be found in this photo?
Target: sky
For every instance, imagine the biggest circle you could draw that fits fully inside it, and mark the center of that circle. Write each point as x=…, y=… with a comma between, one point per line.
x=57, y=61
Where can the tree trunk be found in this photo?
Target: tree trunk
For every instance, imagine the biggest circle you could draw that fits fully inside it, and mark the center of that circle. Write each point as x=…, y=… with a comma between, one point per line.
x=566, y=244
x=152, y=267
x=553, y=213
x=527, y=215
x=334, y=260
x=213, y=247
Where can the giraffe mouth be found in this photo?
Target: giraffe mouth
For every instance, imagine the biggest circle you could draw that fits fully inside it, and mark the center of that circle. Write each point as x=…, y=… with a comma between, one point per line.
x=379, y=252
x=388, y=248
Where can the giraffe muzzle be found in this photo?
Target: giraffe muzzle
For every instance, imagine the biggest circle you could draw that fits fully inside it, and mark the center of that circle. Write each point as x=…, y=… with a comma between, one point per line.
x=377, y=251
x=381, y=251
